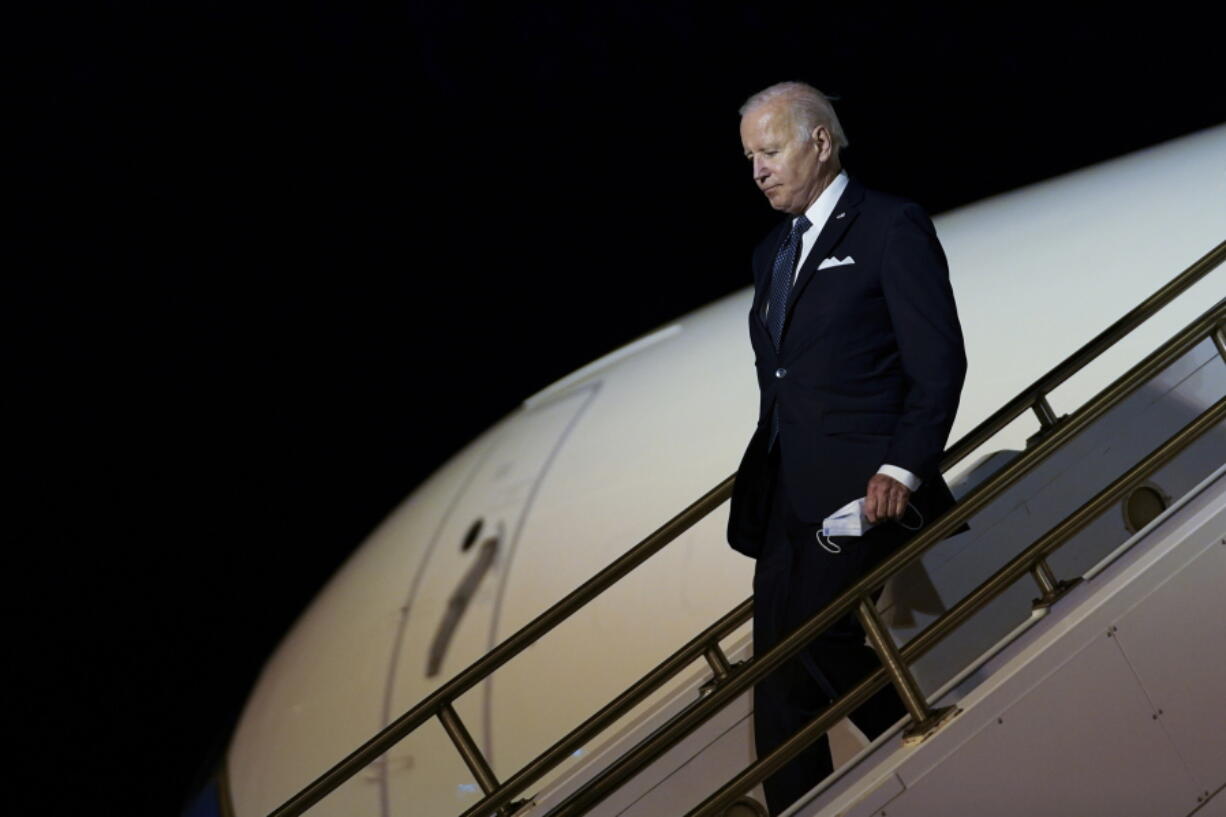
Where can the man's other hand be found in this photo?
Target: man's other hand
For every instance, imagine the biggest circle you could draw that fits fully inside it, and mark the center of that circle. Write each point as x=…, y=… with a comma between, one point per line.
x=885, y=498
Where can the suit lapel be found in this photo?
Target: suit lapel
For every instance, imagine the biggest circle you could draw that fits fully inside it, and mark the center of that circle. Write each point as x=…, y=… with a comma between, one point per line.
x=845, y=211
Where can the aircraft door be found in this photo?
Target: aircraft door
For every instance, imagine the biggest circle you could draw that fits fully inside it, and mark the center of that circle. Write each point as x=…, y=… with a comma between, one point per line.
x=450, y=614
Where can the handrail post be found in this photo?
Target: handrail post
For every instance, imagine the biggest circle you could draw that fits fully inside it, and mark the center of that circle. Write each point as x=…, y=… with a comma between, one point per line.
x=1219, y=340
x=1043, y=410
x=924, y=721
x=1052, y=588
x=468, y=750
x=721, y=668
x=718, y=661
x=1048, y=421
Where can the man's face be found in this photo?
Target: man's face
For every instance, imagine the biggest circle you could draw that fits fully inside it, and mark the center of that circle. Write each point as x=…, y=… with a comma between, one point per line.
x=791, y=171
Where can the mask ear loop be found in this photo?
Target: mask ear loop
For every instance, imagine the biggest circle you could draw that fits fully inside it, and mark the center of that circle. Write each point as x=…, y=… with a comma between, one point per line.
x=917, y=513
x=827, y=543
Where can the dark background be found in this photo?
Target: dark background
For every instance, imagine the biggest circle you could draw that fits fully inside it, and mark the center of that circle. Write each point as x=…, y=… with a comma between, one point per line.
x=278, y=262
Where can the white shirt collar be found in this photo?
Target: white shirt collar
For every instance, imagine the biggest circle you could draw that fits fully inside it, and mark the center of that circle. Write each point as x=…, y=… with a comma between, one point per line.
x=819, y=211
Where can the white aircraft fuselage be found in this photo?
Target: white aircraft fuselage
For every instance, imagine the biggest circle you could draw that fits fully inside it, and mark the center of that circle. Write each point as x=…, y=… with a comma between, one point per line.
x=587, y=467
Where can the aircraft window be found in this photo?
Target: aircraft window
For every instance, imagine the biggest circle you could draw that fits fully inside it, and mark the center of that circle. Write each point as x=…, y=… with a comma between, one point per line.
x=745, y=807
x=1143, y=505
x=470, y=538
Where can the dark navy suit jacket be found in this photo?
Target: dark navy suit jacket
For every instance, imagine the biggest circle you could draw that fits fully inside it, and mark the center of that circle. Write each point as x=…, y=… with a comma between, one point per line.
x=869, y=368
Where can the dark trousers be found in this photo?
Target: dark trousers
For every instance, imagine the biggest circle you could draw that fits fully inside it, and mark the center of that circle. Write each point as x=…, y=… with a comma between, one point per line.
x=794, y=578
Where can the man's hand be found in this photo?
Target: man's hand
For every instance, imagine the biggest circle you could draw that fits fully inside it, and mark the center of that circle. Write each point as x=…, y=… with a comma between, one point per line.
x=885, y=498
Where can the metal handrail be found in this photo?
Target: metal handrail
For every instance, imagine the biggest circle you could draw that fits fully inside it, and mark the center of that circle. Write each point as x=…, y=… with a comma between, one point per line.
x=438, y=704
x=1018, y=567
x=434, y=704
x=1034, y=396
x=858, y=595
x=1025, y=562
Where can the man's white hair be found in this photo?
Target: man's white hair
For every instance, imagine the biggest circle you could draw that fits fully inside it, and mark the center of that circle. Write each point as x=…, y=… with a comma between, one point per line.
x=809, y=107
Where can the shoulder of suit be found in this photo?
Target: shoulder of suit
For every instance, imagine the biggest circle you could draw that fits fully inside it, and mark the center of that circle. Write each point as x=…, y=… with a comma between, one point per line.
x=886, y=209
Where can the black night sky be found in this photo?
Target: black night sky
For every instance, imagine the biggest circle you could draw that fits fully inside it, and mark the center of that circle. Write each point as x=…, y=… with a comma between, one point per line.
x=279, y=261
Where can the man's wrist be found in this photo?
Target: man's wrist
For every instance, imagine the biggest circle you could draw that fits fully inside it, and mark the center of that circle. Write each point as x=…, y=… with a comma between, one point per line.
x=902, y=475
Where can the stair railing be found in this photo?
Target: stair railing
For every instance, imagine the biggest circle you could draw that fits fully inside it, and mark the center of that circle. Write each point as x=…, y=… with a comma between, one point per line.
x=731, y=681
x=922, y=721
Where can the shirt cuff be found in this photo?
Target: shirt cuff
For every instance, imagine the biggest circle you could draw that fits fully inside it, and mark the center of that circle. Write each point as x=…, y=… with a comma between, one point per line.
x=902, y=475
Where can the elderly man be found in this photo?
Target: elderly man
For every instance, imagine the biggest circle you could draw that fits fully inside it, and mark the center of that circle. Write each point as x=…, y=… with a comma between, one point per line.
x=860, y=364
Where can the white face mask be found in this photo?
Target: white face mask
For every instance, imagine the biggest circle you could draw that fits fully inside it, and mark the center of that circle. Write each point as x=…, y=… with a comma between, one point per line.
x=850, y=520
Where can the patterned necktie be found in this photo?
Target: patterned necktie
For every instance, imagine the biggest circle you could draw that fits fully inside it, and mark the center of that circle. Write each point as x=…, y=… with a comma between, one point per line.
x=781, y=288
x=781, y=279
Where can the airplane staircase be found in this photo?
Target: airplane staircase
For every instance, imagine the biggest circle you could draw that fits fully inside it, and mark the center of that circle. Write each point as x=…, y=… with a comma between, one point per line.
x=1037, y=632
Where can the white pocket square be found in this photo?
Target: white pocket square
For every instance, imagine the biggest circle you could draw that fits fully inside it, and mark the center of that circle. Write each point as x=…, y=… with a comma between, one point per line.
x=833, y=261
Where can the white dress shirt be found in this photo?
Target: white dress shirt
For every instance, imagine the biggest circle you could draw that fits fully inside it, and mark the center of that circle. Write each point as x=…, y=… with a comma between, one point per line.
x=818, y=214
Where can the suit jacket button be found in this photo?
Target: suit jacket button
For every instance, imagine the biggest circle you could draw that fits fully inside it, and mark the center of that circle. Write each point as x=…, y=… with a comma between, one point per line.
x=780, y=372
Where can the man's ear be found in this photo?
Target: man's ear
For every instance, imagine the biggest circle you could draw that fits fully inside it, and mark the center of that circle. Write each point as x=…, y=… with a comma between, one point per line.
x=823, y=142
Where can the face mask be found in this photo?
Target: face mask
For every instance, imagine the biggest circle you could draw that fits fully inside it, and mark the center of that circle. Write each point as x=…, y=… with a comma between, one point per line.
x=850, y=520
